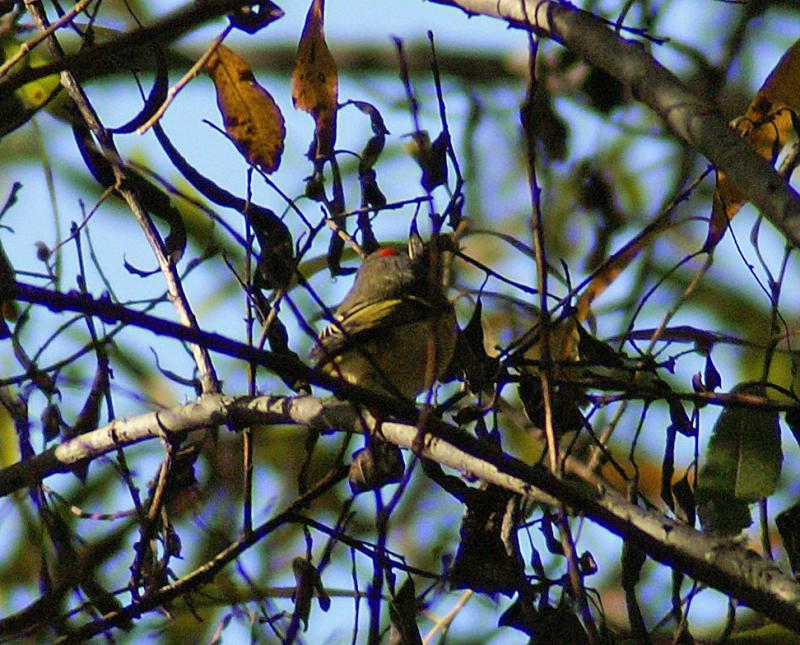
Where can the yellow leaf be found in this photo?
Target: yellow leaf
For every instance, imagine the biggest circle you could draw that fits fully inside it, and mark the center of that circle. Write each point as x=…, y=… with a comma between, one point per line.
x=765, y=126
x=315, y=80
x=9, y=451
x=251, y=116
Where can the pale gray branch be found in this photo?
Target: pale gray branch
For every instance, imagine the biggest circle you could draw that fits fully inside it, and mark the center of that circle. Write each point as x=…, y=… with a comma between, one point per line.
x=723, y=565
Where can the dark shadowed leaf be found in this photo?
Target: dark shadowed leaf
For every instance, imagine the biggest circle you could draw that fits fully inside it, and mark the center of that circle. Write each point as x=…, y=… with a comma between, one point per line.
x=309, y=584
x=403, y=614
x=252, y=19
x=376, y=466
x=488, y=557
x=431, y=157
x=546, y=624
x=788, y=523
x=742, y=463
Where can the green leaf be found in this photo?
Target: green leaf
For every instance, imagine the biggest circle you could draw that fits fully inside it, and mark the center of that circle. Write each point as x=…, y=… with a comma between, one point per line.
x=722, y=514
x=18, y=108
x=766, y=634
x=742, y=465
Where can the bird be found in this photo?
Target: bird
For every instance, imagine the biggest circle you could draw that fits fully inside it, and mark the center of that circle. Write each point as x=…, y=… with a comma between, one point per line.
x=395, y=331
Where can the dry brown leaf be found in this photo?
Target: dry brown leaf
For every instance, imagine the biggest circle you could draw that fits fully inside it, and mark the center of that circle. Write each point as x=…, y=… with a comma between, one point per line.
x=315, y=80
x=617, y=263
x=563, y=342
x=251, y=116
x=765, y=126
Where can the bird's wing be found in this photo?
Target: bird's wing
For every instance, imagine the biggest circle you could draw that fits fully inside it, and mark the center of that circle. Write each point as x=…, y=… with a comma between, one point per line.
x=368, y=320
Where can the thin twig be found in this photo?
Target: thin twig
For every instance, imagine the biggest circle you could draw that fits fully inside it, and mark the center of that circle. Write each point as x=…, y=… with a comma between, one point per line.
x=194, y=70
x=444, y=622
x=28, y=46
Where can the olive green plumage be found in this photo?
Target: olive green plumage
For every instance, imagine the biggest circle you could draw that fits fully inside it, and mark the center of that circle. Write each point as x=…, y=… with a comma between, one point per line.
x=395, y=331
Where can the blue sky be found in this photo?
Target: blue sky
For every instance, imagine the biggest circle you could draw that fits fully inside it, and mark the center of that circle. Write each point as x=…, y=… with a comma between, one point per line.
x=350, y=22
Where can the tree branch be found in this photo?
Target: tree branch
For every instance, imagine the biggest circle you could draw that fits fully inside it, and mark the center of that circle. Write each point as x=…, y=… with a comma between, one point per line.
x=689, y=117
x=285, y=366
x=721, y=564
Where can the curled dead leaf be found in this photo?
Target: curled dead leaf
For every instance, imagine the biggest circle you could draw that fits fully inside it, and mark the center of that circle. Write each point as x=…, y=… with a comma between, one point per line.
x=252, y=118
x=315, y=80
x=766, y=126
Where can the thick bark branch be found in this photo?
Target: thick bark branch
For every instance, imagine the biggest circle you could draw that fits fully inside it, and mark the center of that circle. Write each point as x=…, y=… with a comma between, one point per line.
x=207, y=411
x=689, y=117
x=723, y=565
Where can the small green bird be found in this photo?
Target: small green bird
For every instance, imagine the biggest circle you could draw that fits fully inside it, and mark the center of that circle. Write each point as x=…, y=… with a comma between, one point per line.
x=395, y=332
